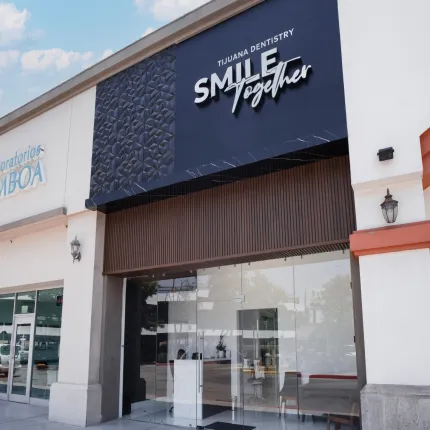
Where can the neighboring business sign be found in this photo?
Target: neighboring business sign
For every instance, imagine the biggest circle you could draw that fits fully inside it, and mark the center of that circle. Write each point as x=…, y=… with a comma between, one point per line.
x=22, y=171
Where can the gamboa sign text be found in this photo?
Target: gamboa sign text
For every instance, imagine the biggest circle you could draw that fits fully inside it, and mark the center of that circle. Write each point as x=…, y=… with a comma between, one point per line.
x=22, y=172
x=274, y=76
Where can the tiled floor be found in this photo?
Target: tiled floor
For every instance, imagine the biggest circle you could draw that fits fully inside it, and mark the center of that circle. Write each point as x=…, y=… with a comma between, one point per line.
x=163, y=413
x=14, y=416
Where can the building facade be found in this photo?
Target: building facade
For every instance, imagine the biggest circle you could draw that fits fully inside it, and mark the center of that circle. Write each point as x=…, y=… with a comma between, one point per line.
x=39, y=197
x=223, y=190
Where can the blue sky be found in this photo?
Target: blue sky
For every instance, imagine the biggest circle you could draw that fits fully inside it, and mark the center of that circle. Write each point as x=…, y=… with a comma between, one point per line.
x=45, y=42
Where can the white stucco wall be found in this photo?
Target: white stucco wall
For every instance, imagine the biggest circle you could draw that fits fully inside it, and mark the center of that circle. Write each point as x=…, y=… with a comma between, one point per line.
x=395, y=306
x=39, y=253
x=80, y=151
x=409, y=194
x=76, y=397
x=66, y=133
x=387, y=86
x=427, y=202
x=33, y=258
x=51, y=130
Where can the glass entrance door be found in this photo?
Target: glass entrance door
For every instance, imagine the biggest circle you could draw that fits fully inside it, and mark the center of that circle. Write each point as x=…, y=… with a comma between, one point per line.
x=219, y=305
x=176, y=374
x=270, y=381
x=20, y=358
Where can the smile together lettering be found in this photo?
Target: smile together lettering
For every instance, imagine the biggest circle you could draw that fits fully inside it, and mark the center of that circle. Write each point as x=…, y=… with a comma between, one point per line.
x=273, y=78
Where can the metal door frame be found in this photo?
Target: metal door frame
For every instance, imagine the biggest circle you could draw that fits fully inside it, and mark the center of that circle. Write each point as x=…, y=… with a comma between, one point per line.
x=21, y=319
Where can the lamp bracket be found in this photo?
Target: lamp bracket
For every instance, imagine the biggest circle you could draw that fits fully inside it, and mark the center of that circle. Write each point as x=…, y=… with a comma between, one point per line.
x=386, y=154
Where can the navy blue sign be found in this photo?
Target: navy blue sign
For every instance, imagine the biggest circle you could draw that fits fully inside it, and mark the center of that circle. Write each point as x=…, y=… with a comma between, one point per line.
x=265, y=83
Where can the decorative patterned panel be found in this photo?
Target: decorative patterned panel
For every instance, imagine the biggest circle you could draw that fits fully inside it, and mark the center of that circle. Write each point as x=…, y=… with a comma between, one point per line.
x=134, y=127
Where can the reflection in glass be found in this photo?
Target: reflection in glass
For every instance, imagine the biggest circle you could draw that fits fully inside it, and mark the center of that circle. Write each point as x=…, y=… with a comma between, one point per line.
x=267, y=344
x=160, y=348
x=269, y=340
x=25, y=303
x=325, y=339
x=176, y=370
x=46, y=342
x=219, y=395
x=6, y=318
x=22, y=348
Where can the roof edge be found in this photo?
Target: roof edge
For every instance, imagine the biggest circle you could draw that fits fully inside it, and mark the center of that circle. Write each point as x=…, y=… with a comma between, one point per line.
x=173, y=33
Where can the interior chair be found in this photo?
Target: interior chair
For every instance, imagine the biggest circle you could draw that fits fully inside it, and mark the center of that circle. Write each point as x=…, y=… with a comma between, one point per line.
x=290, y=389
x=339, y=421
x=324, y=391
x=257, y=385
x=257, y=380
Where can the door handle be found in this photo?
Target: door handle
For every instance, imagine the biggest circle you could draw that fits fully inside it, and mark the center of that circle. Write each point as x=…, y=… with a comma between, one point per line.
x=200, y=353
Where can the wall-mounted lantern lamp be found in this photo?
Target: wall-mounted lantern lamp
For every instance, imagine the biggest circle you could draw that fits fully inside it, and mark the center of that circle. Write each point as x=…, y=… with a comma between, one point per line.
x=390, y=208
x=75, y=249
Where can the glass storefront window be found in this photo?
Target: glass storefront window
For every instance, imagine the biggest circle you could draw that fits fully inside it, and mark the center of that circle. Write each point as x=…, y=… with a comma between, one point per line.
x=35, y=319
x=25, y=303
x=326, y=356
x=266, y=344
x=6, y=318
x=46, y=342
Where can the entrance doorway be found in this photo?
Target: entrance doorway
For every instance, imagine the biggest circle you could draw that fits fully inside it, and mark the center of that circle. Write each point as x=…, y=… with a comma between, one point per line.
x=20, y=353
x=30, y=334
x=264, y=345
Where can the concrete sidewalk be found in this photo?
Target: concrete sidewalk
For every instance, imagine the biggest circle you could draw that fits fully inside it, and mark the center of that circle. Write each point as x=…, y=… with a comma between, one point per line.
x=15, y=416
